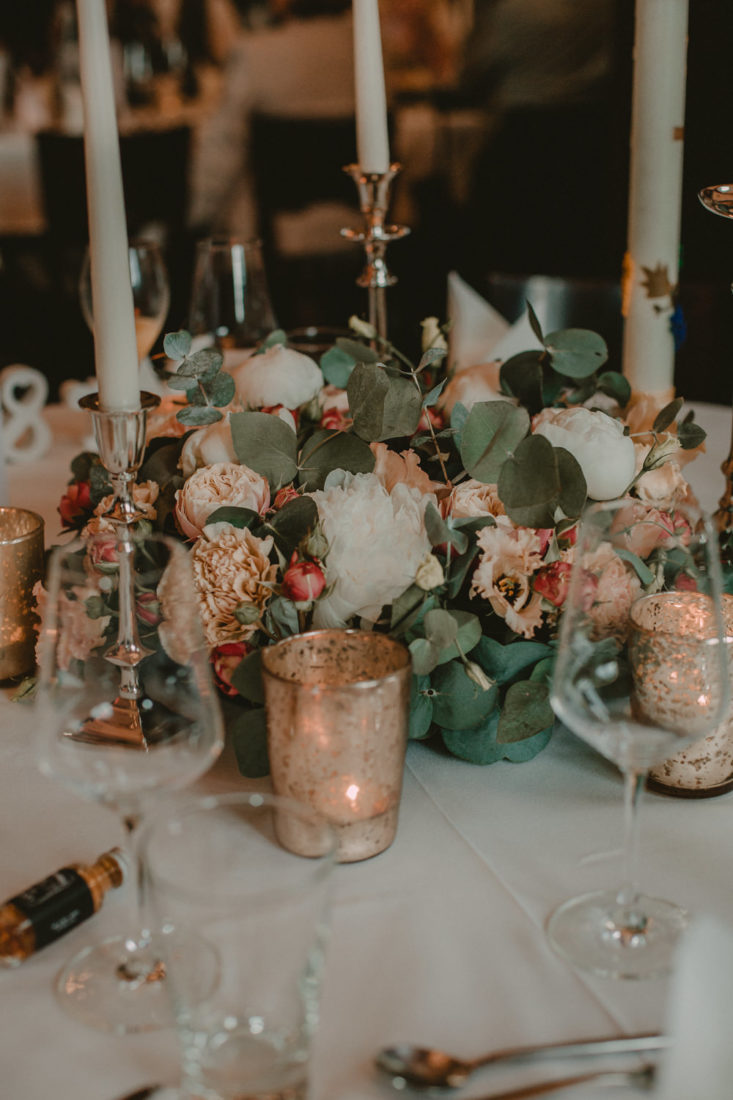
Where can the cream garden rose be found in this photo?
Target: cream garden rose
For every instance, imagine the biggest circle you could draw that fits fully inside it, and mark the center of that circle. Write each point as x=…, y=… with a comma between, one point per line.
x=206, y=446
x=376, y=544
x=278, y=376
x=212, y=487
x=472, y=498
x=231, y=566
x=597, y=441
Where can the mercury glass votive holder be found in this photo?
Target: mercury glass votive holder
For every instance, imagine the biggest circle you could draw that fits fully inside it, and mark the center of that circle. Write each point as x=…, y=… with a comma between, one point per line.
x=21, y=566
x=677, y=684
x=337, y=705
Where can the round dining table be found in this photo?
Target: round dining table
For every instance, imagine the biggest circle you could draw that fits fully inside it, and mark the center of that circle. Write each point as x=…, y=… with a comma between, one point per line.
x=439, y=940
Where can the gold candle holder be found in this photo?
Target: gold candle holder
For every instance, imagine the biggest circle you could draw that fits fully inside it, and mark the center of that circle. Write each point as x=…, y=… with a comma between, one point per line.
x=337, y=704
x=675, y=685
x=21, y=566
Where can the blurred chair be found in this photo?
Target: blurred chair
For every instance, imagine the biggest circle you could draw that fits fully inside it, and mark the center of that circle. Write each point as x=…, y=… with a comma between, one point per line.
x=303, y=199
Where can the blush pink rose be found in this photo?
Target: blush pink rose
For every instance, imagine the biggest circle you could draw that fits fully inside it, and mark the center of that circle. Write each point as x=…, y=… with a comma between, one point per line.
x=212, y=487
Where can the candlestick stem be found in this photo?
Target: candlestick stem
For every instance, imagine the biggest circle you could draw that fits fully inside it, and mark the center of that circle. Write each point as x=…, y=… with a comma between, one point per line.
x=374, y=189
x=718, y=199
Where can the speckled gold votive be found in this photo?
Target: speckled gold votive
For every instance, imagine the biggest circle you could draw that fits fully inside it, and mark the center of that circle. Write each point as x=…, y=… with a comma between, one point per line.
x=21, y=565
x=677, y=679
x=337, y=704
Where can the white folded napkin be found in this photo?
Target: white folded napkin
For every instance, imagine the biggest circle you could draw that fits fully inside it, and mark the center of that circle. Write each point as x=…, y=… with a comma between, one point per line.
x=699, y=1064
x=478, y=332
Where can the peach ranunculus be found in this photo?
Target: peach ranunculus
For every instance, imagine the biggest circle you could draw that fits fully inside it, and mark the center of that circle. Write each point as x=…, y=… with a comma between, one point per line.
x=277, y=376
x=472, y=498
x=401, y=469
x=618, y=587
x=212, y=487
x=231, y=566
x=509, y=556
x=640, y=528
x=477, y=383
x=208, y=445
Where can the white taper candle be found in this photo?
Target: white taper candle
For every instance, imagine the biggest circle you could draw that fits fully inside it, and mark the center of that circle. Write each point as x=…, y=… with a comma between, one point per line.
x=655, y=190
x=115, y=345
x=372, y=143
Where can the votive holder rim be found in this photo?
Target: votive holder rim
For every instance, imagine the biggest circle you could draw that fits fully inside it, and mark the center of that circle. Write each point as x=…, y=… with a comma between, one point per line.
x=38, y=524
x=352, y=632
x=682, y=597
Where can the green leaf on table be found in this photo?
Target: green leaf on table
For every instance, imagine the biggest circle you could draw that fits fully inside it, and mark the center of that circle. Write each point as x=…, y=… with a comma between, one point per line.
x=503, y=663
x=468, y=634
x=325, y=451
x=337, y=365
x=521, y=376
x=177, y=345
x=667, y=415
x=196, y=416
x=248, y=732
x=266, y=444
x=247, y=677
x=237, y=517
x=459, y=703
x=492, y=432
x=529, y=483
x=480, y=745
x=382, y=406
x=421, y=708
x=576, y=352
x=526, y=712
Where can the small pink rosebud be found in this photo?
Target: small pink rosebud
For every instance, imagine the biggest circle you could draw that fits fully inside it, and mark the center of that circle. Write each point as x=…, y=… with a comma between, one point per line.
x=545, y=536
x=103, y=552
x=303, y=581
x=553, y=581
x=224, y=659
x=336, y=420
x=284, y=496
x=75, y=503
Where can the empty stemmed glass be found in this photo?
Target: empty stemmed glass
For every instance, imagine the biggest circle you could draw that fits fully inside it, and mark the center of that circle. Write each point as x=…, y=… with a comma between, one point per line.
x=230, y=300
x=639, y=677
x=119, y=718
x=150, y=293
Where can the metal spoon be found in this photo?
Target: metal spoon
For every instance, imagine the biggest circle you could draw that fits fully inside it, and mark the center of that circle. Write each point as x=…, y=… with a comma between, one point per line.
x=423, y=1067
x=639, y=1078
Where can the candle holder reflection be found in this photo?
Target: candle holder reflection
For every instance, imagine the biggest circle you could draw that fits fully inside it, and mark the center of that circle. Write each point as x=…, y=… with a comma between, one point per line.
x=337, y=710
x=676, y=684
x=374, y=189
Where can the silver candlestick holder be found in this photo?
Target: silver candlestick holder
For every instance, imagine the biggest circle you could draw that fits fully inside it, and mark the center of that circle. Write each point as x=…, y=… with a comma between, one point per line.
x=374, y=194
x=718, y=199
x=120, y=437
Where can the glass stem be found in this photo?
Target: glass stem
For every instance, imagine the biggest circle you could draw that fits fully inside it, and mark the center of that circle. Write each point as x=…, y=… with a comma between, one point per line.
x=138, y=969
x=631, y=918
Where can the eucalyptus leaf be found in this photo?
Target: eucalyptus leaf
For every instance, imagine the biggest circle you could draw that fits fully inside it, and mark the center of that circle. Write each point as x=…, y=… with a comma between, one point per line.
x=293, y=523
x=468, y=635
x=326, y=451
x=529, y=483
x=459, y=703
x=221, y=390
x=441, y=533
x=424, y=656
x=573, y=487
x=441, y=628
x=534, y=323
x=430, y=356
x=247, y=677
x=421, y=708
x=576, y=352
x=690, y=435
x=616, y=385
x=522, y=376
x=406, y=608
x=503, y=663
x=266, y=444
x=177, y=345
x=237, y=517
x=181, y=382
x=249, y=738
x=667, y=415
x=480, y=745
x=492, y=432
x=526, y=712
x=642, y=570
x=195, y=416
x=337, y=366
x=432, y=396
x=283, y=615
x=277, y=336
x=202, y=364
x=360, y=353
x=382, y=407
x=458, y=418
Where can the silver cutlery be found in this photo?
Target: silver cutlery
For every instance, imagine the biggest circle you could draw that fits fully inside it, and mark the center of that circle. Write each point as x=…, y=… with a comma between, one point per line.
x=423, y=1067
x=638, y=1078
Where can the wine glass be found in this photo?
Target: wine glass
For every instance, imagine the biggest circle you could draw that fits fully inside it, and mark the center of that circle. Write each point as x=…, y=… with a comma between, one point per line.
x=150, y=293
x=230, y=300
x=125, y=708
x=639, y=677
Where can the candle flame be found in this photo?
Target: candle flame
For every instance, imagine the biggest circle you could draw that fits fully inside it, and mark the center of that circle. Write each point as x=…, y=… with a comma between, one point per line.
x=352, y=793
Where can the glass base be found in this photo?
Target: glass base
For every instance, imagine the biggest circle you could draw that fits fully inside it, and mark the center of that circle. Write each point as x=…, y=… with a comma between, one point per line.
x=589, y=932
x=119, y=986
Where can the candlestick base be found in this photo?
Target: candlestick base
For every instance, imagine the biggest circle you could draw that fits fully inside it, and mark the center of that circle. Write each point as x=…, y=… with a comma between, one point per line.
x=374, y=189
x=120, y=438
x=718, y=199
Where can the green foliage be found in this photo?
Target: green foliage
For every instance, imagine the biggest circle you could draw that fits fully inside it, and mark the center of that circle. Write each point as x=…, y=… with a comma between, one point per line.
x=537, y=480
x=383, y=406
x=267, y=445
x=248, y=732
x=326, y=451
x=492, y=432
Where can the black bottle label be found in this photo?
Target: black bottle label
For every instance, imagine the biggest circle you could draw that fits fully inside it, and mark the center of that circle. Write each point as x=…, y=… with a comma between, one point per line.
x=55, y=905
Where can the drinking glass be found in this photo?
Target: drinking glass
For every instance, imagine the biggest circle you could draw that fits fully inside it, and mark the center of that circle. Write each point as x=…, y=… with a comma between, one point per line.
x=230, y=300
x=639, y=677
x=120, y=716
x=217, y=865
x=150, y=293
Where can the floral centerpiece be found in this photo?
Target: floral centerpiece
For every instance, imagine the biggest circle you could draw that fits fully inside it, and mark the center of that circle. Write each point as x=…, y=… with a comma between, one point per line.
x=368, y=490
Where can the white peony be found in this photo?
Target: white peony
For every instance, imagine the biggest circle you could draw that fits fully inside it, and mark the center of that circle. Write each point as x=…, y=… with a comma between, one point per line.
x=278, y=376
x=376, y=544
x=206, y=446
x=597, y=441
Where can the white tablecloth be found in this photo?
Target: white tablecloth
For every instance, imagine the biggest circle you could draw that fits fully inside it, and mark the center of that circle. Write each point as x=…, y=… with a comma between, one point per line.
x=438, y=940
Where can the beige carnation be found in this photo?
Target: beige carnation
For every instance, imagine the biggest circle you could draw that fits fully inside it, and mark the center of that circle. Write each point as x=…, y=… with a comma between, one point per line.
x=212, y=487
x=400, y=469
x=472, y=498
x=230, y=566
x=144, y=496
x=508, y=558
x=618, y=587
